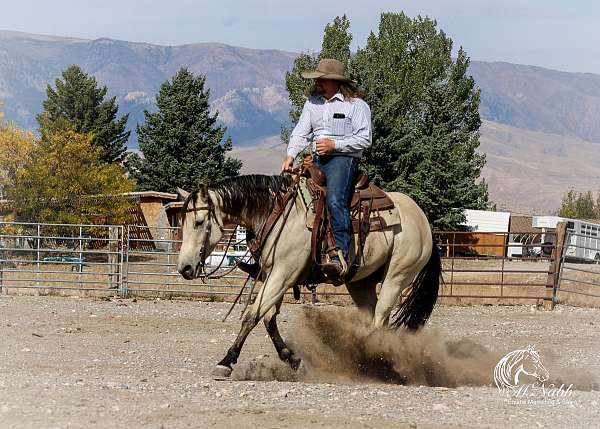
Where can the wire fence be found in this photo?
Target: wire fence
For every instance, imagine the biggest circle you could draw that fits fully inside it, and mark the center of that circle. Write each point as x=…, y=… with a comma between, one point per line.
x=478, y=268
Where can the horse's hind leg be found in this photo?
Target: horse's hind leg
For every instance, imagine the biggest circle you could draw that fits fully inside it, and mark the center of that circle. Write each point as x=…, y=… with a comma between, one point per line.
x=391, y=288
x=364, y=295
x=285, y=353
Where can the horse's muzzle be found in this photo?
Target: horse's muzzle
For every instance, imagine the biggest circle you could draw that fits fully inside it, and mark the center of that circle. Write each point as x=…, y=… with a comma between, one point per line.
x=187, y=272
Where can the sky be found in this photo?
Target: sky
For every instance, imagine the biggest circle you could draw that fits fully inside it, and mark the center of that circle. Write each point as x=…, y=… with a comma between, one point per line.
x=562, y=35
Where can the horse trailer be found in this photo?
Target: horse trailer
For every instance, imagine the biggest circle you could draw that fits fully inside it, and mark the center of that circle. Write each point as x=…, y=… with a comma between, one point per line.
x=583, y=241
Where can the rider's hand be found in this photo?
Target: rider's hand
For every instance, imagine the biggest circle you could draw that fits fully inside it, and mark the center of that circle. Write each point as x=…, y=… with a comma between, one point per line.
x=325, y=146
x=288, y=163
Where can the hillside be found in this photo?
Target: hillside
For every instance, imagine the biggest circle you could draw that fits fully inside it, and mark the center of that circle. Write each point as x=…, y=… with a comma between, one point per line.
x=540, y=131
x=246, y=84
x=527, y=171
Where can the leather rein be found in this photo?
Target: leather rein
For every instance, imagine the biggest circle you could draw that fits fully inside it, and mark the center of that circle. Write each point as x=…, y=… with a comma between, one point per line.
x=202, y=254
x=255, y=245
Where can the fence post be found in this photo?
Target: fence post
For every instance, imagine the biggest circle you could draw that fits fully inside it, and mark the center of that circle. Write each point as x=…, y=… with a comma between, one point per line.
x=38, y=255
x=124, y=261
x=555, y=266
x=113, y=257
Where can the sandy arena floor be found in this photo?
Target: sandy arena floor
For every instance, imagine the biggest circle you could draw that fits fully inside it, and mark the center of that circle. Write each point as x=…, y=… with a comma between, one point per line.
x=83, y=362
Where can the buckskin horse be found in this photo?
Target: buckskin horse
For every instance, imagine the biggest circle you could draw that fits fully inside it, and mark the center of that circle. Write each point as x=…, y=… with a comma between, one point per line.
x=400, y=255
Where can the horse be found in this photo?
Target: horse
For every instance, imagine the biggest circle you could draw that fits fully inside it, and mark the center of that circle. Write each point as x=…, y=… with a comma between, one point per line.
x=525, y=362
x=398, y=256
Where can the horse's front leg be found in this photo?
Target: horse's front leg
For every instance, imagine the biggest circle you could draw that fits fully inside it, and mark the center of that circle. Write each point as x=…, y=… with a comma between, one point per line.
x=285, y=353
x=268, y=296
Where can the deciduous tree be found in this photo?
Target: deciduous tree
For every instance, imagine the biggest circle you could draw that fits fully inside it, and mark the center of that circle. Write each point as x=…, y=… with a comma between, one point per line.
x=579, y=205
x=15, y=151
x=67, y=181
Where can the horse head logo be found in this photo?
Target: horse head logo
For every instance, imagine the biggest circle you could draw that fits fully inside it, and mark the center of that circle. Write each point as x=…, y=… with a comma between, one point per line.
x=513, y=367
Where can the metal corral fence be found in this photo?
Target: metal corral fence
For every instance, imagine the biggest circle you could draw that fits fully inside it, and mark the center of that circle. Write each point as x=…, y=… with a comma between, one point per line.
x=59, y=257
x=579, y=278
x=492, y=267
x=129, y=260
x=479, y=268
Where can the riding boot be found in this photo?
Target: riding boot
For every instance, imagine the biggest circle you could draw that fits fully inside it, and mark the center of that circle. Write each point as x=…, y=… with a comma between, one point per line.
x=252, y=269
x=333, y=271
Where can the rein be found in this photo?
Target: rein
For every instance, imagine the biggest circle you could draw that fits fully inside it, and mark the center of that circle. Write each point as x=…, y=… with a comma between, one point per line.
x=255, y=246
x=211, y=211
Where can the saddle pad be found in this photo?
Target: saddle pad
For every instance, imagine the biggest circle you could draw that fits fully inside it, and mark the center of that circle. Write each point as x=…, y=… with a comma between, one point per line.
x=379, y=219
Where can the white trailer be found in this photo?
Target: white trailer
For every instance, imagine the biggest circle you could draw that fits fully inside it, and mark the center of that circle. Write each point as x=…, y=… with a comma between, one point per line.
x=583, y=238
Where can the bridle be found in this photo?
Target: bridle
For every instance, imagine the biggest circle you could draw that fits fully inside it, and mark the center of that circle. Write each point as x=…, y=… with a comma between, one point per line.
x=210, y=208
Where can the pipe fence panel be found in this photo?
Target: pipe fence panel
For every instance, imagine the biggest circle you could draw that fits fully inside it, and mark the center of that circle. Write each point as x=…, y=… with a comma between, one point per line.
x=134, y=260
x=150, y=263
x=60, y=256
x=579, y=280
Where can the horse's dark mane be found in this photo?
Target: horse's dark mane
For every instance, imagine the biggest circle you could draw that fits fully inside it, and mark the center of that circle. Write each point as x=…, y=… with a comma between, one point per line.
x=252, y=195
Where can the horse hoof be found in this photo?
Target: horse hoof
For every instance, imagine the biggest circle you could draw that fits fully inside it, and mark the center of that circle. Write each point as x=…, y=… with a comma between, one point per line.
x=221, y=372
x=295, y=362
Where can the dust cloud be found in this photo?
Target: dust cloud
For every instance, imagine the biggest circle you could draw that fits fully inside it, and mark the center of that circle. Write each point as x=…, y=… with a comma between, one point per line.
x=339, y=346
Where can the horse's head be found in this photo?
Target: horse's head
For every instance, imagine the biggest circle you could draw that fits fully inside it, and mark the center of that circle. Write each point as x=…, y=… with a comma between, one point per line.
x=532, y=365
x=201, y=232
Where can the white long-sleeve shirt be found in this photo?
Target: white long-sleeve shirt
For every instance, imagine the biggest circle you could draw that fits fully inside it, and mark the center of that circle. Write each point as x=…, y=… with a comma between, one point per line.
x=347, y=122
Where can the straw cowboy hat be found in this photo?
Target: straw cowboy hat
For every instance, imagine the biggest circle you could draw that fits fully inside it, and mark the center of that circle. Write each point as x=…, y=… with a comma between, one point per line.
x=328, y=69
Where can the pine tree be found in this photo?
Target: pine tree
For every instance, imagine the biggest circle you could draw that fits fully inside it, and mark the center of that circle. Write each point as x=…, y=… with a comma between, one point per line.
x=181, y=143
x=425, y=113
x=336, y=44
x=79, y=103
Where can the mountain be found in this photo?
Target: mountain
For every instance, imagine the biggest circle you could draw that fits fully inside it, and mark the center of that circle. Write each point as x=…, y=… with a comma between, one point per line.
x=244, y=83
x=530, y=171
x=540, y=133
x=539, y=99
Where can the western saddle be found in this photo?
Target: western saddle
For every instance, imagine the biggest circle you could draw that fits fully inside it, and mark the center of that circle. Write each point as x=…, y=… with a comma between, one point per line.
x=365, y=205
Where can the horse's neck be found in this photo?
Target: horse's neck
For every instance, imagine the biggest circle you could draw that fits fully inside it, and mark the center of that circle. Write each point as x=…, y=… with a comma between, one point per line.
x=237, y=218
x=240, y=216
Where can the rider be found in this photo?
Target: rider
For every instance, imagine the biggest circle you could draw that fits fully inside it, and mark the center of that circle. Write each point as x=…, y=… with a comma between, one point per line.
x=338, y=122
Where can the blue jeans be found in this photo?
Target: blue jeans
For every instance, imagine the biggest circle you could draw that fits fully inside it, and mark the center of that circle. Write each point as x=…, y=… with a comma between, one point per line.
x=339, y=172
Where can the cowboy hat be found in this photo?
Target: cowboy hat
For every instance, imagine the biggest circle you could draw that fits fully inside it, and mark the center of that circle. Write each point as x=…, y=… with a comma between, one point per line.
x=328, y=69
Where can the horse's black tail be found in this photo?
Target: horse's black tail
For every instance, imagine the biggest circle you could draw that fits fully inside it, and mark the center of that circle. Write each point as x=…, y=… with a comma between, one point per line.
x=416, y=308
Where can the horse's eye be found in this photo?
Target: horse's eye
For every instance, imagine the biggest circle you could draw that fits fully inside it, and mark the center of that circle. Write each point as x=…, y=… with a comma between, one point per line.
x=199, y=223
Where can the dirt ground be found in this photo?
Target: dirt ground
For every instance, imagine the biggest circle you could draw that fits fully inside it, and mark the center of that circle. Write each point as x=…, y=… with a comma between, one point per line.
x=68, y=362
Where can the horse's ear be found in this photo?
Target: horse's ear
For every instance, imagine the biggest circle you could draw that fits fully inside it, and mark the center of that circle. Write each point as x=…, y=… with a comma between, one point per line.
x=203, y=191
x=183, y=193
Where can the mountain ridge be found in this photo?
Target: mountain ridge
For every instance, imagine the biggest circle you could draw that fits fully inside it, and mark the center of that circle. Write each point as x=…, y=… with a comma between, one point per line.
x=530, y=113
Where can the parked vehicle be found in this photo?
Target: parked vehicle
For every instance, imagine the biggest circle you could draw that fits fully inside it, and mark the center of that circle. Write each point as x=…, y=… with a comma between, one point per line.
x=583, y=237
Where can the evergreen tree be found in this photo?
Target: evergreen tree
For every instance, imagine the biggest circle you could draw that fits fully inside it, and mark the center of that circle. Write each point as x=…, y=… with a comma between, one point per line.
x=425, y=112
x=181, y=142
x=425, y=118
x=336, y=44
x=79, y=102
